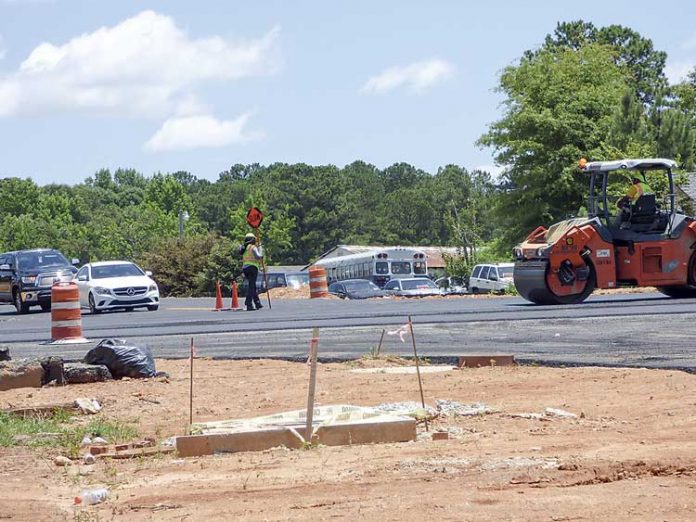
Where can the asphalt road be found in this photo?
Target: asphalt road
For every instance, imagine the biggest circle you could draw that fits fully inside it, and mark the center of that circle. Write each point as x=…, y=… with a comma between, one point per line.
x=644, y=330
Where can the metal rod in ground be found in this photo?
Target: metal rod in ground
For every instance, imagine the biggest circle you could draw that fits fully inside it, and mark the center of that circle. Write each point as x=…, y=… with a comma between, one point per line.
x=420, y=383
x=313, y=349
x=263, y=267
x=191, y=387
x=379, y=346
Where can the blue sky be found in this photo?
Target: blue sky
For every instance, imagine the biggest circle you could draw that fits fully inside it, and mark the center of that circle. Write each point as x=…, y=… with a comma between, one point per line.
x=178, y=85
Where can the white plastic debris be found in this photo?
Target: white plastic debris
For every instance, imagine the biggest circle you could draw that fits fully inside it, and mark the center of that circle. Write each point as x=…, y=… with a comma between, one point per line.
x=556, y=412
x=99, y=440
x=88, y=458
x=457, y=409
x=532, y=416
x=408, y=408
x=86, y=441
x=92, y=496
x=90, y=406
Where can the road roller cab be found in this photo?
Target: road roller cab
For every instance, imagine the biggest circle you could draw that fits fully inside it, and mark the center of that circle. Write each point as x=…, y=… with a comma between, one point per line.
x=641, y=243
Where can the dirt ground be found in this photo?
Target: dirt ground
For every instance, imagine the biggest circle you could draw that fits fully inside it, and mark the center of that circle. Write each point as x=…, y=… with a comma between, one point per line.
x=629, y=455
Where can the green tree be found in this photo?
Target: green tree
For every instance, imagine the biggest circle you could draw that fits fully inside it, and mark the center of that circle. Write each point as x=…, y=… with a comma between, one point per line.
x=559, y=107
x=177, y=264
x=18, y=196
x=631, y=51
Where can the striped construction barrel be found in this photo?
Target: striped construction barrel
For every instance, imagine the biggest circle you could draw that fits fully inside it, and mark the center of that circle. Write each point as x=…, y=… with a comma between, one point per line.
x=318, y=287
x=66, y=319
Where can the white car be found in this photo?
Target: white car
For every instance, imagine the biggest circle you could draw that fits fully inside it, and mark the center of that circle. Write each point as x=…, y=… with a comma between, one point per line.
x=116, y=285
x=412, y=287
x=491, y=278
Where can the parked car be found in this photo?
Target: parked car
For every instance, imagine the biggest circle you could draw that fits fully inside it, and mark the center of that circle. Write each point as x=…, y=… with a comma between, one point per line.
x=26, y=277
x=277, y=279
x=451, y=285
x=356, y=289
x=412, y=287
x=116, y=285
x=491, y=278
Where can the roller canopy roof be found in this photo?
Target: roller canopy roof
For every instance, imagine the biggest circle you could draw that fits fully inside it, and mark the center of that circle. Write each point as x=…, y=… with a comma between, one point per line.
x=630, y=164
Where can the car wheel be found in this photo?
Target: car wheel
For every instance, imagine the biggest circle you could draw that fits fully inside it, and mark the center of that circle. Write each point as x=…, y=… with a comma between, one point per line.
x=93, y=306
x=153, y=308
x=129, y=309
x=474, y=290
x=21, y=306
x=46, y=307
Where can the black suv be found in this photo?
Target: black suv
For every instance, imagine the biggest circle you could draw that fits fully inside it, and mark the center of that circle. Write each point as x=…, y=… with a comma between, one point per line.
x=26, y=277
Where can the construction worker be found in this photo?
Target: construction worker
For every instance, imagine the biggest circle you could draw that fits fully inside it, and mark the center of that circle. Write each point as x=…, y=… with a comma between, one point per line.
x=637, y=189
x=251, y=258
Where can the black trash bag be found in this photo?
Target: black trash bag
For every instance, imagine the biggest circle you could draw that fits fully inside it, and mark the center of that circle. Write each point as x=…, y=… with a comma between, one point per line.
x=123, y=358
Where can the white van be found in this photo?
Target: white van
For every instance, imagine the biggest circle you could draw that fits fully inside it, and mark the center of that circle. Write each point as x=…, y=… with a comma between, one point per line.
x=491, y=278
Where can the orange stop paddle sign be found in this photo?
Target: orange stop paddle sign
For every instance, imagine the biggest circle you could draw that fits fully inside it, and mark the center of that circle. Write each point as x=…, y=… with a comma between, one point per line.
x=254, y=217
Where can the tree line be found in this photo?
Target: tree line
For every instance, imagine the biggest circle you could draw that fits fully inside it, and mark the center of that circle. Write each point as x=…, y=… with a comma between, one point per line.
x=309, y=209
x=594, y=92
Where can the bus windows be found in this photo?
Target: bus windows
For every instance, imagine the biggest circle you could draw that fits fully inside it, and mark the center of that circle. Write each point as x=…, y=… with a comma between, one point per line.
x=418, y=267
x=401, y=267
x=381, y=267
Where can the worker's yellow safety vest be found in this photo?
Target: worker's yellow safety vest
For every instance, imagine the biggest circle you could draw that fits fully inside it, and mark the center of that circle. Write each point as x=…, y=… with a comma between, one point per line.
x=249, y=259
x=641, y=189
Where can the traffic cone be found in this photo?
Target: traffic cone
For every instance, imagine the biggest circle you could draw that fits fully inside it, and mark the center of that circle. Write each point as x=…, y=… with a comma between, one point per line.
x=234, y=306
x=218, y=297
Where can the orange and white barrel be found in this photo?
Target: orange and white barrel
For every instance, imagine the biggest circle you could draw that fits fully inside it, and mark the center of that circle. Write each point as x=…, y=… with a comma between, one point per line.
x=318, y=286
x=66, y=319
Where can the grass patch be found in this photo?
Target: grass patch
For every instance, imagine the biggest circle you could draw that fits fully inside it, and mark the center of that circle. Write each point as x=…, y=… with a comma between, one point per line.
x=60, y=430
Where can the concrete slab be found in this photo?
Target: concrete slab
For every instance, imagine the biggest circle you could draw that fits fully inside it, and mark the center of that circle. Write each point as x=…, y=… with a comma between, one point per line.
x=479, y=360
x=257, y=440
x=20, y=375
x=352, y=426
x=366, y=432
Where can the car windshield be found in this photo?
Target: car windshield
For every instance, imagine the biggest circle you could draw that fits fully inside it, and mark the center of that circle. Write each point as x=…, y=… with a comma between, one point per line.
x=124, y=270
x=505, y=271
x=36, y=260
x=360, y=285
x=417, y=284
x=297, y=280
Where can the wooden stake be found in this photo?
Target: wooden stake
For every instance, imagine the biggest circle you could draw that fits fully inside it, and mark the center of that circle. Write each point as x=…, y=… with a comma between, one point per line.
x=191, y=389
x=313, y=349
x=420, y=383
x=379, y=346
x=263, y=267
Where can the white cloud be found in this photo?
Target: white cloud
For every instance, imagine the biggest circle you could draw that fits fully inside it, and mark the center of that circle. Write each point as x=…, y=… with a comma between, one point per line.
x=677, y=71
x=417, y=77
x=2, y=49
x=197, y=132
x=143, y=66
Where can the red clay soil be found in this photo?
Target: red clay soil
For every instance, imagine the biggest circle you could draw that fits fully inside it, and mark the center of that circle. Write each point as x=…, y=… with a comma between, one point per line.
x=629, y=455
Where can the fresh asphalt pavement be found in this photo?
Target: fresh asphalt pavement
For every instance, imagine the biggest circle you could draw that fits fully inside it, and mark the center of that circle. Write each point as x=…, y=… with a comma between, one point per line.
x=638, y=330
